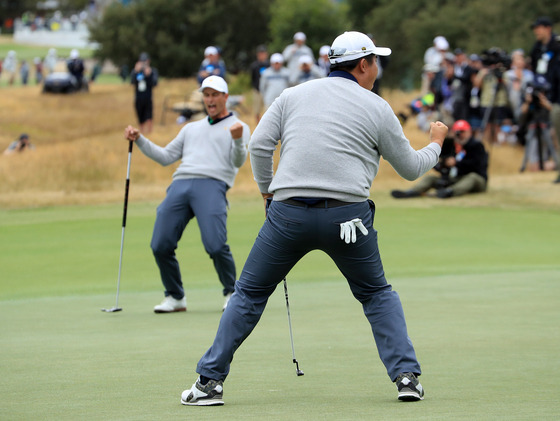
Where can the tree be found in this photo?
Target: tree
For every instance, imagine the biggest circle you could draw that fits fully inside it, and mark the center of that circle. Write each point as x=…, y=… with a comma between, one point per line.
x=176, y=32
x=320, y=20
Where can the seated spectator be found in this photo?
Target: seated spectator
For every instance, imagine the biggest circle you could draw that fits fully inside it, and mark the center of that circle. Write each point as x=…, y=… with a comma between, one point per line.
x=20, y=145
x=463, y=168
x=211, y=65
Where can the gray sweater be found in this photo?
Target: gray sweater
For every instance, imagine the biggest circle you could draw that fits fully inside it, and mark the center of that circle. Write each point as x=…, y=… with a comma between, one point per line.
x=206, y=150
x=333, y=134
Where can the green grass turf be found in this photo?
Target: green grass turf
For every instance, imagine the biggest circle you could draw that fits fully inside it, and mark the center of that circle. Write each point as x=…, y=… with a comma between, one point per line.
x=479, y=287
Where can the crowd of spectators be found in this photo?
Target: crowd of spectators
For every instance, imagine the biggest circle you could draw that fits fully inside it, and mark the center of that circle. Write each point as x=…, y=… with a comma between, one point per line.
x=506, y=97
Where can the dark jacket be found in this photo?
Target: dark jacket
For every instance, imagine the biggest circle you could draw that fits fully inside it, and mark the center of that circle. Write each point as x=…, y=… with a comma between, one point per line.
x=475, y=159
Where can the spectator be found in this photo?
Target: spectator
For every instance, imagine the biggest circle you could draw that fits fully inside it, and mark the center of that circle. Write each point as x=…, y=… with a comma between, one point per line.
x=145, y=79
x=433, y=57
x=211, y=151
x=38, y=70
x=24, y=72
x=463, y=168
x=463, y=74
x=294, y=51
x=10, y=66
x=308, y=70
x=545, y=60
x=20, y=145
x=256, y=69
x=76, y=68
x=494, y=100
x=323, y=62
x=212, y=65
x=382, y=63
x=517, y=79
x=475, y=117
x=50, y=60
x=535, y=111
x=274, y=79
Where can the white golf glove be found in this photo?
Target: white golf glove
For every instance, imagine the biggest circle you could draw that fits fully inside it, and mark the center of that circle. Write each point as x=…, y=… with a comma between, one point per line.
x=348, y=230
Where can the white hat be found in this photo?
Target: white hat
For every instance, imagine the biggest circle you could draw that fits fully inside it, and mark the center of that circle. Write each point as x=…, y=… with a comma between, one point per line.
x=277, y=58
x=305, y=59
x=354, y=45
x=299, y=36
x=214, y=82
x=324, y=50
x=74, y=53
x=441, y=43
x=210, y=50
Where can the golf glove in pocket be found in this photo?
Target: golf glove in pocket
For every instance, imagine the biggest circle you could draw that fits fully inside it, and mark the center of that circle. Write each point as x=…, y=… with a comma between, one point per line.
x=348, y=230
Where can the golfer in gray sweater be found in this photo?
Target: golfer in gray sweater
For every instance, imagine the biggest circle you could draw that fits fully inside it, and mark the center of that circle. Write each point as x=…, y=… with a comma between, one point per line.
x=333, y=132
x=211, y=151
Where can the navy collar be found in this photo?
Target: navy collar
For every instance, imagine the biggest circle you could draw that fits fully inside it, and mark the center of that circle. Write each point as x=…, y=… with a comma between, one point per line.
x=342, y=73
x=218, y=119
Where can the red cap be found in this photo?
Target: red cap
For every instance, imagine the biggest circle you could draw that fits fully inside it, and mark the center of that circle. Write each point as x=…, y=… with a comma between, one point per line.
x=461, y=126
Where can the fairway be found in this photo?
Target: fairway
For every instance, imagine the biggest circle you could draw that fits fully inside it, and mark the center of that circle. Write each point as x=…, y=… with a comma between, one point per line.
x=479, y=288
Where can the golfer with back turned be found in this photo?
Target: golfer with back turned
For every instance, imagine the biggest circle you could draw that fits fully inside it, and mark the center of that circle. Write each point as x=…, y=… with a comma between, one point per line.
x=333, y=132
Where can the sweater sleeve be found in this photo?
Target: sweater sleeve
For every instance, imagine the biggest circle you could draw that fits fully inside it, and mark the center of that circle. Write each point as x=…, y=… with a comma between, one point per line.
x=239, y=154
x=409, y=163
x=163, y=155
x=262, y=145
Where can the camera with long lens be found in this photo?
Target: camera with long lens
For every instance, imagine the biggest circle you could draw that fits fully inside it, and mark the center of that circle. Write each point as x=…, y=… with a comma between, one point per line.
x=447, y=151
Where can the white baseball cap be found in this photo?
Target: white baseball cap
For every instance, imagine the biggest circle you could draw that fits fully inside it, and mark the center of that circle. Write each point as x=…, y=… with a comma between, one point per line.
x=211, y=50
x=277, y=58
x=214, y=82
x=353, y=45
x=324, y=50
x=441, y=43
x=305, y=59
x=299, y=36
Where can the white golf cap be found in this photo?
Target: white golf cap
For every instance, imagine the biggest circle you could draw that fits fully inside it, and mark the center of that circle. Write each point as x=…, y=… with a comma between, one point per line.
x=441, y=43
x=214, y=82
x=277, y=58
x=299, y=36
x=74, y=53
x=353, y=45
x=305, y=60
x=210, y=50
x=324, y=50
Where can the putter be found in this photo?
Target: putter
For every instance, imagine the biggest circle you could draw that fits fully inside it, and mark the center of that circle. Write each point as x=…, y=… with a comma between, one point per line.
x=116, y=307
x=298, y=371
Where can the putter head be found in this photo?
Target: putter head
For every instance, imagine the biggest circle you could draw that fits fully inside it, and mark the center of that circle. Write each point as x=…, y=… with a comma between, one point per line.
x=111, y=310
x=299, y=372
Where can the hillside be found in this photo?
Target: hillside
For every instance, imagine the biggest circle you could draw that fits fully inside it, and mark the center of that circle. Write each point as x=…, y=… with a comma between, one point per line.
x=81, y=155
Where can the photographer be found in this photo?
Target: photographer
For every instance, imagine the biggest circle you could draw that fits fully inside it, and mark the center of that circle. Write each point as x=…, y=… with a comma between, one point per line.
x=462, y=170
x=535, y=113
x=144, y=78
x=494, y=98
x=20, y=145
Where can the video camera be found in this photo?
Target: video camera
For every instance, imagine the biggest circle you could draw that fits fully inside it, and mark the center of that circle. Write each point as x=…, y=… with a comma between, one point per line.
x=538, y=85
x=497, y=59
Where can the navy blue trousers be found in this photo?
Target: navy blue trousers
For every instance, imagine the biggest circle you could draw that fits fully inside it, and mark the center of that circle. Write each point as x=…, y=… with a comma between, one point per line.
x=289, y=233
x=206, y=199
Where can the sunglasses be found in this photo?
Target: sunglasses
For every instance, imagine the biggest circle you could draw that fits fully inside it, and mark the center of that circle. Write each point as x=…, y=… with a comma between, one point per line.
x=341, y=52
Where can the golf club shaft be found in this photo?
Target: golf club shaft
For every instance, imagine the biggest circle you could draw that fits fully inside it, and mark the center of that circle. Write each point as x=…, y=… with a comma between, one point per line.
x=124, y=219
x=298, y=371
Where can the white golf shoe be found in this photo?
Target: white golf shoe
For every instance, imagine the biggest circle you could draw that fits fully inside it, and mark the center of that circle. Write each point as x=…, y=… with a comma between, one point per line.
x=210, y=394
x=226, y=301
x=171, y=305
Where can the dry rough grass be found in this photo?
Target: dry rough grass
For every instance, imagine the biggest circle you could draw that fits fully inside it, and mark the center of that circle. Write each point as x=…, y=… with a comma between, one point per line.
x=81, y=155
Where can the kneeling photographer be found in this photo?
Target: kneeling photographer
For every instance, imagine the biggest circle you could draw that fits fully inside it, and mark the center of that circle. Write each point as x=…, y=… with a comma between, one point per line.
x=463, y=168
